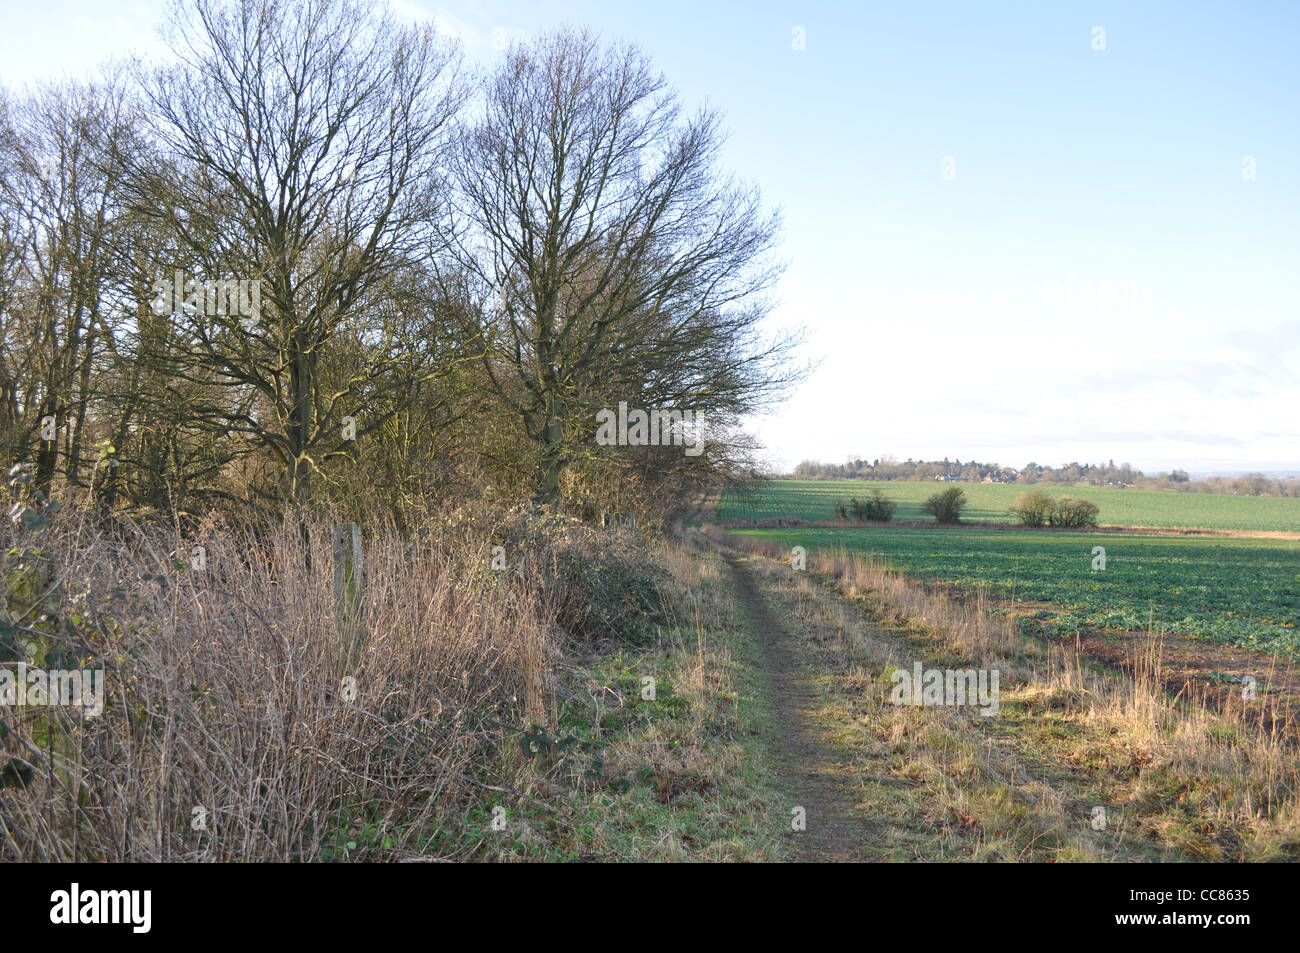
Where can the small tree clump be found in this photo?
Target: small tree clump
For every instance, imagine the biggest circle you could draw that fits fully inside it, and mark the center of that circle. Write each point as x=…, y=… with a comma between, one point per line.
x=1074, y=514
x=946, y=506
x=1033, y=508
x=881, y=508
x=876, y=508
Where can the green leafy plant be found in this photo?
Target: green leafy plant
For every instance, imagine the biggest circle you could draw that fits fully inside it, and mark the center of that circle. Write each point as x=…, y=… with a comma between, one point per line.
x=587, y=753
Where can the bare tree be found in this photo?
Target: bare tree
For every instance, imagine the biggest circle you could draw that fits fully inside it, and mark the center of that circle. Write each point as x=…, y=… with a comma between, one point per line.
x=61, y=198
x=611, y=254
x=306, y=141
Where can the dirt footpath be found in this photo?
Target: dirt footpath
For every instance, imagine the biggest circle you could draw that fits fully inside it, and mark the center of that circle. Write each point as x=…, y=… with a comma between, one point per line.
x=834, y=832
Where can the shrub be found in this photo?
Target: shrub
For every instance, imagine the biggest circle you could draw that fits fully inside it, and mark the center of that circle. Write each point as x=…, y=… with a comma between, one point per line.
x=880, y=507
x=609, y=589
x=1073, y=513
x=1033, y=508
x=946, y=506
x=877, y=508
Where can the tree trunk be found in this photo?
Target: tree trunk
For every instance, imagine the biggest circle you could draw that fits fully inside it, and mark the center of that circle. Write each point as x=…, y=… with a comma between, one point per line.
x=47, y=453
x=302, y=374
x=548, y=478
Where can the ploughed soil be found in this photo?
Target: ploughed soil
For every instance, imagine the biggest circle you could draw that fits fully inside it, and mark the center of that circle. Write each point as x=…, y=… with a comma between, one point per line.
x=1210, y=673
x=1199, y=670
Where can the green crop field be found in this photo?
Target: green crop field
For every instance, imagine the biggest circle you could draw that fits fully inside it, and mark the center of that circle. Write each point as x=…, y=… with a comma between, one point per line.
x=1245, y=592
x=988, y=502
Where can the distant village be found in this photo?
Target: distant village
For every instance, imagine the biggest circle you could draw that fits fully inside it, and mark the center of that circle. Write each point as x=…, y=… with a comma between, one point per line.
x=955, y=471
x=1121, y=475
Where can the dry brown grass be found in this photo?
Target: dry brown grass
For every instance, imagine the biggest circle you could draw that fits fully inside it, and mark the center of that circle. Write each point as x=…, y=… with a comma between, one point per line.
x=227, y=699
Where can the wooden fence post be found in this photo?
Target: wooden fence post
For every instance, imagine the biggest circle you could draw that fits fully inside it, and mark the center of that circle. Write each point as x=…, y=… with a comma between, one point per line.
x=349, y=604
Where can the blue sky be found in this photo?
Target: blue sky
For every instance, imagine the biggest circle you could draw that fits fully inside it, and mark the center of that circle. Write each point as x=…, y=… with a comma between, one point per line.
x=957, y=182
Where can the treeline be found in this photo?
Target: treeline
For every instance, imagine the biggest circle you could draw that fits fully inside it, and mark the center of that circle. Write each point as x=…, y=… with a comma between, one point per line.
x=887, y=468
x=1070, y=474
x=315, y=259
